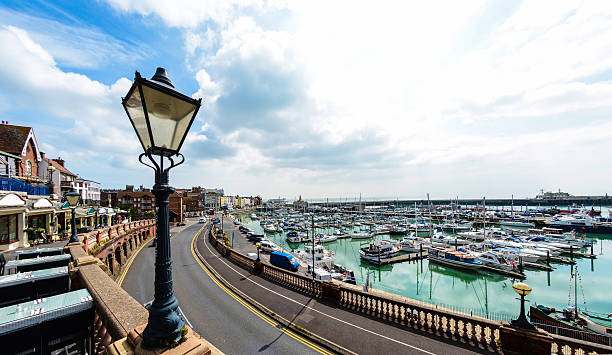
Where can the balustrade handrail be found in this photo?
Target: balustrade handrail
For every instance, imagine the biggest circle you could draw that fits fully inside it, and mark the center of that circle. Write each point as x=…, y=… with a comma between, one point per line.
x=113, y=231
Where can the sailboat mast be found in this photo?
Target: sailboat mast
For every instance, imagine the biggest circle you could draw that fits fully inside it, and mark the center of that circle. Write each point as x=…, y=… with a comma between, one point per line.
x=484, y=217
x=576, y=292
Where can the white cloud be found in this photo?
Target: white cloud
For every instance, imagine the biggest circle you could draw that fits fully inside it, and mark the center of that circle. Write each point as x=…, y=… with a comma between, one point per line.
x=97, y=126
x=186, y=13
x=95, y=48
x=397, y=72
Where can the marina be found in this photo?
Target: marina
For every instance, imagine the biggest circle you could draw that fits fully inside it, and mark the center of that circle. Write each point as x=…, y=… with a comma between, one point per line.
x=485, y=291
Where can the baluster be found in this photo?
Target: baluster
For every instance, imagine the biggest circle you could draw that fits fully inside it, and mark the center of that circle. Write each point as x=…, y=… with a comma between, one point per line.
x=427, y=321
x=444, y=326
x=383, y=306
x=436, y=324
x=463, y=329
x=471, y=332
x=555, y=348
x=480, y=337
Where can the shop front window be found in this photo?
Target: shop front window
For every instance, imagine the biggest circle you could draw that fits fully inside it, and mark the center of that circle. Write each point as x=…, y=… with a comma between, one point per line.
x=38, y=221
x=8, y=228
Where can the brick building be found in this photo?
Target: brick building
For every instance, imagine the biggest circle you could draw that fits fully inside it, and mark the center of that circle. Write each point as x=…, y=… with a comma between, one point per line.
x=175, y=205
x=143, y=201
x=20, y=141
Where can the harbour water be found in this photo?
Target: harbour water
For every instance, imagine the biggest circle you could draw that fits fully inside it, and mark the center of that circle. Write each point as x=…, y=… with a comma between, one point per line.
x=480, y=293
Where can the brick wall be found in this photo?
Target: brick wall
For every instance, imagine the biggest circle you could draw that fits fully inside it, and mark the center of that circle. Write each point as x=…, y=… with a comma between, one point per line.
x=31, y=157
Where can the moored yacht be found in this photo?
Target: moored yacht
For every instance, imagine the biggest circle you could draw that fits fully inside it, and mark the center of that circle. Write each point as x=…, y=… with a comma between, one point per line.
x=453, y=258
x=379, y=250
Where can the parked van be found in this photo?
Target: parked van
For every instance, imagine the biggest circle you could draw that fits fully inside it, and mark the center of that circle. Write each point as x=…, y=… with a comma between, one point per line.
x=268, y=246
x=284, y=260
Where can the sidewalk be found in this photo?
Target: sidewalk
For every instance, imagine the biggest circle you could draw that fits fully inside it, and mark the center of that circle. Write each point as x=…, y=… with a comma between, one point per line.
x=352, y=331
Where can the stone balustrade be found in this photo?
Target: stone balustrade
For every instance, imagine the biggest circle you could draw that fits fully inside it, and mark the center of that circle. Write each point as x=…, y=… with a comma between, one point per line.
x=115, y=244
x=119, y=318
x=478, y=332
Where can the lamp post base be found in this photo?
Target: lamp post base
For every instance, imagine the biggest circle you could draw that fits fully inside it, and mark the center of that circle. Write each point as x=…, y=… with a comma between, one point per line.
x=517, y=341
x=164, y=326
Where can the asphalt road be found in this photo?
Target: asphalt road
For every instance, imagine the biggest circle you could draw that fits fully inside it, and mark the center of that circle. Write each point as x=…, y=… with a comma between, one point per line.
x=212, y=312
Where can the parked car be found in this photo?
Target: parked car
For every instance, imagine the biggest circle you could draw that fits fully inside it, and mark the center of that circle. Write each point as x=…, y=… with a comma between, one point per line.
x=284, y=260
x=202, y=220
x=268, y=246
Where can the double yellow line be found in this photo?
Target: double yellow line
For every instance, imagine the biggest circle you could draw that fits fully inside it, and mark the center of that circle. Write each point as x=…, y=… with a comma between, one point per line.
x=253, y=310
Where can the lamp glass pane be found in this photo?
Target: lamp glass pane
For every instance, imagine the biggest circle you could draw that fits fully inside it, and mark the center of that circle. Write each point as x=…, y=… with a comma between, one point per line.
x=169, y=118
x=72, y=199
x=133, y=105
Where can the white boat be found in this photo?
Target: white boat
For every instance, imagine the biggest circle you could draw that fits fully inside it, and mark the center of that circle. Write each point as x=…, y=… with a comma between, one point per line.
x=414, y=244
x=440, y=240
x=253, y=216
x=326, y=238
x=322, y=257
x=361, y=235
x=454, y=258
x=269, y=228
x=378, y=251
x=456, y=227
x=516, y=223
x=293, y=237
x=497, y=260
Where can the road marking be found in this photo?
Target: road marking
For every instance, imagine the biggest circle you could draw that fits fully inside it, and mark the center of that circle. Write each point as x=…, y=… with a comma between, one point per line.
x=132, y=258
x=315, y=310
x=251, y=308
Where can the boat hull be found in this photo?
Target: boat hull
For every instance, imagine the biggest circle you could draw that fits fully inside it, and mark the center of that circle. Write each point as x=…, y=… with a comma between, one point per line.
x=454, y=263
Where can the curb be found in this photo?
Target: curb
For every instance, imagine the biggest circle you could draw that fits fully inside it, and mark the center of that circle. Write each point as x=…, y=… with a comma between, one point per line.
x=287, y=324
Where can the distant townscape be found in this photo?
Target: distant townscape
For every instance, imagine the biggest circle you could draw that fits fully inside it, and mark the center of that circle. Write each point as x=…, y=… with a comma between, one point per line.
x=33, y=188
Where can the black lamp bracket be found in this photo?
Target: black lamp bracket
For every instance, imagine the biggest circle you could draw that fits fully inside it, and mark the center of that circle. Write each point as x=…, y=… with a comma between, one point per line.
x=161, y=173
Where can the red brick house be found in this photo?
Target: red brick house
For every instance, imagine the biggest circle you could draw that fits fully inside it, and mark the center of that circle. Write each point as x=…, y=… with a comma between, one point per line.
x=21, y=141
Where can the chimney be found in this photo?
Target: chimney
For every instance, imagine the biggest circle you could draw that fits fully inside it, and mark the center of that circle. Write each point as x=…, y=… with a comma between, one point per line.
x=60, y=161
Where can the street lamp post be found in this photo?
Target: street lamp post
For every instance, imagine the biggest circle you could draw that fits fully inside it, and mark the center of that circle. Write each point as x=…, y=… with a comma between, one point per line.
x=523, y=290
x=50, y=170
x=73, y=199
x=161, y=117
x=258, y=245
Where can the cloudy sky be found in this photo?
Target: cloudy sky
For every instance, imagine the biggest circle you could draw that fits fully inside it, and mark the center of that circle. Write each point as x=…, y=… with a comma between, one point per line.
x=326, y=98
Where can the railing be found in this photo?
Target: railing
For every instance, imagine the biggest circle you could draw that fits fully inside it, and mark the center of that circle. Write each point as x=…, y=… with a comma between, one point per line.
x=476, y=331
x=433, y=319
x=8, y=184
x=569, y=346
x=576, y=334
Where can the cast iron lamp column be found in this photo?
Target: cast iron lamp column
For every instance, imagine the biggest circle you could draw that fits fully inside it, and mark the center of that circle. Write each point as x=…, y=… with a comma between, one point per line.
x=73, y=199
x=523, y=290
x=161, y=117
